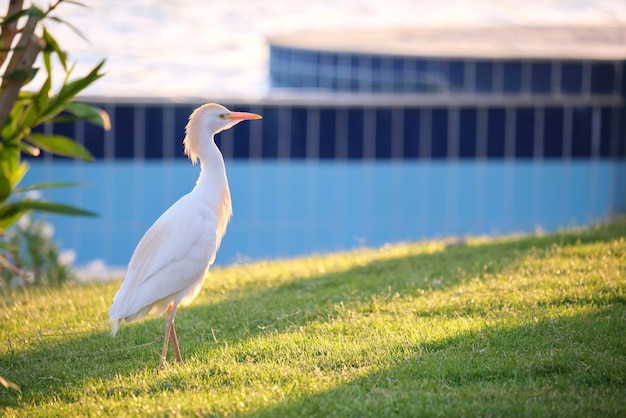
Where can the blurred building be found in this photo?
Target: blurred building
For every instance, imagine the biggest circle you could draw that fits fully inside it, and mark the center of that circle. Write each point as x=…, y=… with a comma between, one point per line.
x=376, y=137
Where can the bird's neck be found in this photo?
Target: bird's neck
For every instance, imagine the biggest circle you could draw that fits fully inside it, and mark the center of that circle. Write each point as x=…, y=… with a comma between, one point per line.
x=212, y=187
x=212, y=170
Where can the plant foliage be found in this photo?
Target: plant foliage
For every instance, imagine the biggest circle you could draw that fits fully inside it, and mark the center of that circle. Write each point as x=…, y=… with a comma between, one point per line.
x=23, y=38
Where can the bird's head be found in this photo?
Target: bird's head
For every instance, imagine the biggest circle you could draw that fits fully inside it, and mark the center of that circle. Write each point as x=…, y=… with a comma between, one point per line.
x=208, y=120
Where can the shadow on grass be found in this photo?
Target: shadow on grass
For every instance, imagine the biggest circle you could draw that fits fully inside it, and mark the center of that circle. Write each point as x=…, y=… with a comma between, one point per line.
x=60, y=367
x=549, y=368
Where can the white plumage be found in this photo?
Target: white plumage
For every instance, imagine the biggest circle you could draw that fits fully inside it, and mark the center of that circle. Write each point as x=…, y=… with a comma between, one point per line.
x=170, y=262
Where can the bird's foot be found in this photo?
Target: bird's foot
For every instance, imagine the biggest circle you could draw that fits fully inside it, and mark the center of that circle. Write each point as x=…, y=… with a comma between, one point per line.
x=163, y=364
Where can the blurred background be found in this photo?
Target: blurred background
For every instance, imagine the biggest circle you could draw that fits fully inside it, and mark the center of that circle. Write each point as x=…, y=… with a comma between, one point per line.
x=382, y=121
x=187, y=48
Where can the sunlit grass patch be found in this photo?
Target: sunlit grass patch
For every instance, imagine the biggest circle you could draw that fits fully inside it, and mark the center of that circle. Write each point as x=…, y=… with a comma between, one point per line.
x=524, y=325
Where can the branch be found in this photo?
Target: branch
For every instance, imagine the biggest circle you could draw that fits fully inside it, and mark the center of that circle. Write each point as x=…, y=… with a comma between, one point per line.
x=51, y=7
x=15, y=270
x=9, y=29
x=22, y=60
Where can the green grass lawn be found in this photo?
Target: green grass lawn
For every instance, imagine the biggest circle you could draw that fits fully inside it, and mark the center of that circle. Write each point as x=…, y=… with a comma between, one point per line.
x=517, y=326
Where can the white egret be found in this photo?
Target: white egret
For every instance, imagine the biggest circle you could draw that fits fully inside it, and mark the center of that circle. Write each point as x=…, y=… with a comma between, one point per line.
x=170, y=262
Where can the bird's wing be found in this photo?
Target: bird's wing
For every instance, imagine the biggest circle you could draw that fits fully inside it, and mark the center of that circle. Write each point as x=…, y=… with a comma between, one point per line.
x=172, y=255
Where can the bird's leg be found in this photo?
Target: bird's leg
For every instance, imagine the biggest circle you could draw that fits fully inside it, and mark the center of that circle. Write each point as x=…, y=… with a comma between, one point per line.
x=175, y=343
x=169, y=324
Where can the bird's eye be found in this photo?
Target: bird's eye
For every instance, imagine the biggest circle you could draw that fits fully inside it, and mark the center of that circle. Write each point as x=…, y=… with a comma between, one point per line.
x=222, y=115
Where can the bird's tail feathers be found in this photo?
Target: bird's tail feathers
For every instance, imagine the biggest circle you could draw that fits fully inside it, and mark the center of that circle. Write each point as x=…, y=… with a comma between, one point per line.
x=115, y=325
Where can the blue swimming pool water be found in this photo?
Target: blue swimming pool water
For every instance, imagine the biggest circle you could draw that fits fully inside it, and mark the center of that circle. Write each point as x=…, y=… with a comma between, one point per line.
x=288, y=208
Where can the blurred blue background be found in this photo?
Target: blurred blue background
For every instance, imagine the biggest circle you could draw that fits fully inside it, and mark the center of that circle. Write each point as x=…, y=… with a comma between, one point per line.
x=355, y=148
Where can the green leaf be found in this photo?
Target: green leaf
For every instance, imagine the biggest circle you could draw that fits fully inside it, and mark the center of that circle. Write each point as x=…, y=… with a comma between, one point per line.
x=5, y=188
x=90, y=113
x=60, y=145
x=45, y=206
x=72, y=88
x=11, y=212
x=42, y=97
x=9, y=217
x=71, y=26
x=38, y=103
x=76, y=3
x=9, y=130
x=41, y=186
x=18, y=174
x=31, y=11
x=25, y=96
x=10, y=160
x=13, y=132
x=53, y=45
x=28, y=74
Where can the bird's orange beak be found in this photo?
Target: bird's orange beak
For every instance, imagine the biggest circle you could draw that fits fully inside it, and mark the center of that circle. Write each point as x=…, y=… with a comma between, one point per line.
x=242, y=116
